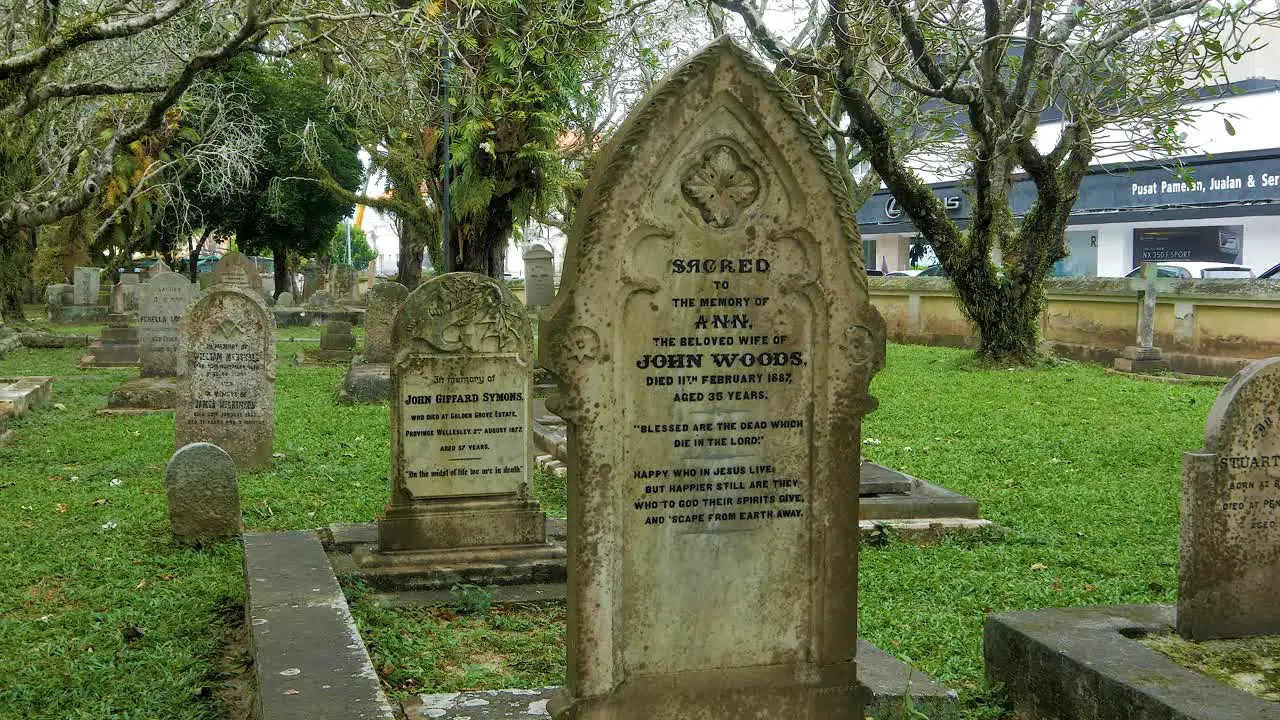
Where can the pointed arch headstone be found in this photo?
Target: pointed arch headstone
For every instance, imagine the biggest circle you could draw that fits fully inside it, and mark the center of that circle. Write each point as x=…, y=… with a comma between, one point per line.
x=714, y=341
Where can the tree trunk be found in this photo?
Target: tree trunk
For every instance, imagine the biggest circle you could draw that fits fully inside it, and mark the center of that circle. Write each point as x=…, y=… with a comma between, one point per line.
x=484, y=241
x=409, y=269
x=193, y=259
x=283, y=273
x=15, y=263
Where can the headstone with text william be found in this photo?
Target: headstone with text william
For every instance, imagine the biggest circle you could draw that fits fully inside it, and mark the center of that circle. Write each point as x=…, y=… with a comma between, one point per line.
x=714, y=342
x=1229, y=548
x=236, y=268
x=460, y=439
x=227, y=375
x=539, y=277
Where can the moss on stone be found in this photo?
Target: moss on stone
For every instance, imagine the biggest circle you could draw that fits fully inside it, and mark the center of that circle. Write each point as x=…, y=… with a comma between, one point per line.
x=1250, y=664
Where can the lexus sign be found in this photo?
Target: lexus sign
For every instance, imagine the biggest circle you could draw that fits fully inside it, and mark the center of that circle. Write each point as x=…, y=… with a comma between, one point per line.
x=893, y=211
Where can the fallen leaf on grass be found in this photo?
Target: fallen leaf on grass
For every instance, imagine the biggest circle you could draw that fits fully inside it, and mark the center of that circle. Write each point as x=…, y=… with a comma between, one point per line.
x=1056, y=586
x=277, y=455
x=1090, y=588
x=141, y=584
x=62, y=507
x=1039, y=566
x=59, y=406
x=291, y=691
x=99, y=502
x=8, y=484
x=167, y=576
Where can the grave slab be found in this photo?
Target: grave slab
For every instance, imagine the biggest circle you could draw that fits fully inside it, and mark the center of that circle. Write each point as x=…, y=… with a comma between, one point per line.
x=366, y=383
x=309, y=660
x=18, y=395
x=1084, y=663
x=144, y=394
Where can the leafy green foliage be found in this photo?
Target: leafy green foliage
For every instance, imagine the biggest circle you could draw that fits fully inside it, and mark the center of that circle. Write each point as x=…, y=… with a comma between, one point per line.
x=361, y=252
x=290, y=209
x=470, y=599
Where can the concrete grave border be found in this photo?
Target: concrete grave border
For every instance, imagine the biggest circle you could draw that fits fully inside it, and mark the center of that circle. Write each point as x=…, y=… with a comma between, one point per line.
x=1084, y=663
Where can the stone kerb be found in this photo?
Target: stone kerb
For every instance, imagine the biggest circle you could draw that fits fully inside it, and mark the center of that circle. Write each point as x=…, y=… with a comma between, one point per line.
x=1229, y=548
x=743, y=481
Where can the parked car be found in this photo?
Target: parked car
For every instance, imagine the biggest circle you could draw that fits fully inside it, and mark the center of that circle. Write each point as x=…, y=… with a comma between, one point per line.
x=905, y=273
x=1198, y=271
x=1272, y=274
x=875, y=273
x=932, y=271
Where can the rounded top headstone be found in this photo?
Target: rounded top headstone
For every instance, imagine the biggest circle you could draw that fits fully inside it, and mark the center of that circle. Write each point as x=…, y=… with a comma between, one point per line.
x=1247, y=411
x=537, y=251
x=199, y=460
x=463, y=312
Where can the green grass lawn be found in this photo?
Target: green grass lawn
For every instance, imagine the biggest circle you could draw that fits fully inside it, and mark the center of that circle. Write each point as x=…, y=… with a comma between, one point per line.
x=1083, y=469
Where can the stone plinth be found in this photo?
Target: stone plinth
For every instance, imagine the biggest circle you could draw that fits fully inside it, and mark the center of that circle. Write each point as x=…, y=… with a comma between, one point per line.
x=1140, y=360
x=366, y=383
x=144, y=393
x=118, y=346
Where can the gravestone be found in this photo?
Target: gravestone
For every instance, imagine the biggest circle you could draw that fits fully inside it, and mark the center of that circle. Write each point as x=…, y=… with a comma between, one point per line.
x=131, y=281
x=161, y=302
x=118, y=301
x=1229, y=549
x=337, y=346
x=320, y=299
x=227, y=375
x=714, y=342
x=204, y=497
x=236, y=268
x=369, y=380
x=460, y=440
x=118, y=345
x=343, y=284
x=381, y=304
x=1144, y=356
x=285, y=300
x=539, y=276
x=87, y=284
x=159, y=267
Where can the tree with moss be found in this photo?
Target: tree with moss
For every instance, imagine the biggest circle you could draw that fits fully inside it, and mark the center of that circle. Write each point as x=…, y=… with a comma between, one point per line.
x=964, y=86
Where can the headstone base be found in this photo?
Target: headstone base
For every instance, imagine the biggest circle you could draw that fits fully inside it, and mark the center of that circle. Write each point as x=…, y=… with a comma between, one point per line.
x=366, y=384
x=77, y=314
x=442, y=569
x=145, y=393
x=311, y=358
x=461, y=524
x=765, y=691
x=1140, y=360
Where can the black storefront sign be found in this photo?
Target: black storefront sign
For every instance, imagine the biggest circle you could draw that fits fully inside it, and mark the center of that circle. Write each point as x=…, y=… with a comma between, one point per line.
x=1208, y=243
x=1243, y=177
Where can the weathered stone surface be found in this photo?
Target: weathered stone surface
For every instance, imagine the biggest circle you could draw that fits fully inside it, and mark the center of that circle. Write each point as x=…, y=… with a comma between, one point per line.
x=236, y=268
x=539, y=276
x=460, y=441
x=337, y=336
x=118, y=345
x=227, y=374
x=342, y=283
x=87, y=285
x=711, y=322
x=157, y=268
x=371, y=275
x=320, y=299
x=1229, y=576
x=381, y=304
x=308, y=659
x=161, y=302
x=204, y=496
x=366, y=383
x=118, y=304
x=285, y=299
x=145, y=393
x=1084, y=663
x=18, y=395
